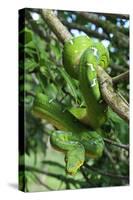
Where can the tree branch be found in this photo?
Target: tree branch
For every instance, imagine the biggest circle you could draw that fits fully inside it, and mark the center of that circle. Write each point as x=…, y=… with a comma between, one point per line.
x=113, y=99
x=120, y=38
x=108, y=93
x=106, y=173
x=121, y=77
x=85, y=29
x=114, y=16
x=57, y=27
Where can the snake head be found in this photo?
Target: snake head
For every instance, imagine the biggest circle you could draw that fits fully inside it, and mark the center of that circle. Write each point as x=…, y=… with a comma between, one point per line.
x=74, y=159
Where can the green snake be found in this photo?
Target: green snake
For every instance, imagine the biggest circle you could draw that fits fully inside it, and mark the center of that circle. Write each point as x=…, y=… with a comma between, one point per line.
x=81, y=55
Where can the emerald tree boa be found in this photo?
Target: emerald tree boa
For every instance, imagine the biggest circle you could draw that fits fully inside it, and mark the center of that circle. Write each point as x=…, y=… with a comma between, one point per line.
x=81, y=55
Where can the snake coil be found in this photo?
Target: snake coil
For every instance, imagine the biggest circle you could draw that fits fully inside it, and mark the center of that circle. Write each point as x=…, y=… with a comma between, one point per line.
x=81, y=55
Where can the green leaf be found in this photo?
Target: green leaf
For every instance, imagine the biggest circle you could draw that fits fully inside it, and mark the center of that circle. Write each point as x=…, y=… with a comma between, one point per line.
x=70, y=83
x=51, y=91
x=30, y=64
x=27, y=35
x=56, y=50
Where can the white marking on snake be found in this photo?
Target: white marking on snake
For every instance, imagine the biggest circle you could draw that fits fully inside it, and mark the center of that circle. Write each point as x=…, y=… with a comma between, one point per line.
x=95, y=51
x=93, y=82
x=91, y=66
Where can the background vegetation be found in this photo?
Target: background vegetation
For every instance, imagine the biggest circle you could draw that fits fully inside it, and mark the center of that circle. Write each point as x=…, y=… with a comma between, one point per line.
x=40, y=71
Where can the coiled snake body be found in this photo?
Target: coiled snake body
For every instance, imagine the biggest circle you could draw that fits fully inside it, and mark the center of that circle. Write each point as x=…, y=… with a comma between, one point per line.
x=81, y=55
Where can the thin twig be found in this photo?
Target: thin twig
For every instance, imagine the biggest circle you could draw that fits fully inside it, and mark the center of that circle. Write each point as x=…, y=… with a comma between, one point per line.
x=53, y=163
x=118, y=68
x=109, y=155
x=57, y=176
x=106, y=173
x=124, y=146
x=122, y=77
x=41, y=183
x=82, y=169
